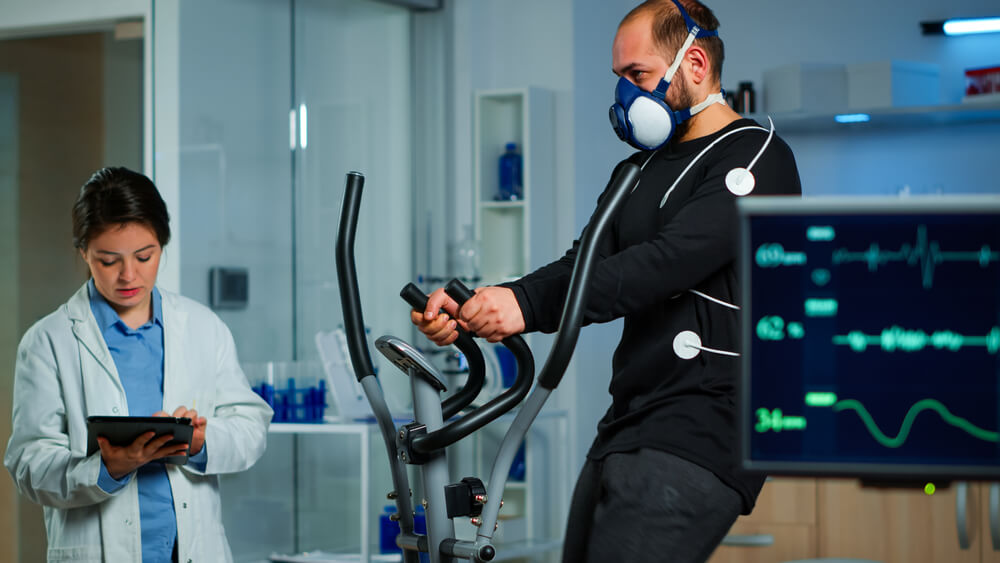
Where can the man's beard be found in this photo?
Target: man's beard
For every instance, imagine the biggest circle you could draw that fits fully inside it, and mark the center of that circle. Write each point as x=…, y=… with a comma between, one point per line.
x=685, y=100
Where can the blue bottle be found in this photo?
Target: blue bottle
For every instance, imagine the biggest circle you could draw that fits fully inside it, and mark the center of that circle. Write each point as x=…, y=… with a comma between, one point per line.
x=518, y=466
x=511, y=185
x=388, y=530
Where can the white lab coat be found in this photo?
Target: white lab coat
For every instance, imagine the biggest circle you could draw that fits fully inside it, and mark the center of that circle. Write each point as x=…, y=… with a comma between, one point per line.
x=65, y=373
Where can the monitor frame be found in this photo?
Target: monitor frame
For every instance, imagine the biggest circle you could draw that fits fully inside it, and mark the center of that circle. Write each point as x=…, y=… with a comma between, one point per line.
x=890, y=473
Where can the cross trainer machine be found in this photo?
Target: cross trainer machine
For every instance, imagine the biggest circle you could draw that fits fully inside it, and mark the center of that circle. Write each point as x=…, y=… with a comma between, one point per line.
x=438, y=424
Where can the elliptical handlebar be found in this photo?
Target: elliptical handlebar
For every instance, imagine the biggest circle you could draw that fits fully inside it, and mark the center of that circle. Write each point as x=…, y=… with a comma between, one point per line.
x=458, y=429
x=473, y=355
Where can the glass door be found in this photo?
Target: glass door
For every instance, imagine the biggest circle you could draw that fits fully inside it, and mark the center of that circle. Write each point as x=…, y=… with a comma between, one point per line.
x=276, y=102
x=352, y=113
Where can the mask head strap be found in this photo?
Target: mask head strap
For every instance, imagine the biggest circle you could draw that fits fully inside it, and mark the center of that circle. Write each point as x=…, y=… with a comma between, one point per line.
x=685, y=114
x=694, y=32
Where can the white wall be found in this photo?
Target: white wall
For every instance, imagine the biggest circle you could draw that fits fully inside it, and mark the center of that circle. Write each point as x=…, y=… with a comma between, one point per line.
x=510, y=44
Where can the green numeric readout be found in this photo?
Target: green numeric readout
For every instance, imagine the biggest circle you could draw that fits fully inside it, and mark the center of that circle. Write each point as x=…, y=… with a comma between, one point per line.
x=775, y=420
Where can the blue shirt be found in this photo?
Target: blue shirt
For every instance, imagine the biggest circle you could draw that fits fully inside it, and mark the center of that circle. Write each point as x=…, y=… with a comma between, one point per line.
x=138, y=356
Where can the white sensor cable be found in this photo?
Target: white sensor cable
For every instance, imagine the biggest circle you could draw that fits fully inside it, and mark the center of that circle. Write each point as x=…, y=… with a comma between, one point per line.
x=687, y=345
x=714, y=300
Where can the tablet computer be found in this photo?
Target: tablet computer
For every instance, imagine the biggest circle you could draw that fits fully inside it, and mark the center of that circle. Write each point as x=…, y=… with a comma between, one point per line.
x=123, y=430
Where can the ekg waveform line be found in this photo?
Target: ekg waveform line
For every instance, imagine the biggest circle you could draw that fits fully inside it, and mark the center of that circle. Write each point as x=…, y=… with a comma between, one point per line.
x=923, y=253
x=897, y=338
x=911, y=415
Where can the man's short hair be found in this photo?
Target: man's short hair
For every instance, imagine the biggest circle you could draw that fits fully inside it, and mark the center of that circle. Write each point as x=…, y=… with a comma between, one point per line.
x=670, y=30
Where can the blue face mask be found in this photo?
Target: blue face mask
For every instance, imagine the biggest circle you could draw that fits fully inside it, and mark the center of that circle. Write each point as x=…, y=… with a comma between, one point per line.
x=644, y=119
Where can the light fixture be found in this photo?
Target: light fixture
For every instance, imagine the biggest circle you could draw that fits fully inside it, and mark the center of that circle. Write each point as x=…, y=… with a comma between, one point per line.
x=852, y=118
x=961, y=26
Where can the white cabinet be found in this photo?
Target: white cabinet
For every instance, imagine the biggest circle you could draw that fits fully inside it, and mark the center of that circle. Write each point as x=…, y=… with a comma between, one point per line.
x=514, y=235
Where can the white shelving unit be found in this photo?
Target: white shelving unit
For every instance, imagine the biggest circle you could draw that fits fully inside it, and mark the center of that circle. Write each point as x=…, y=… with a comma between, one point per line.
x=515, y=238
x=363, y=432
x=513, y=234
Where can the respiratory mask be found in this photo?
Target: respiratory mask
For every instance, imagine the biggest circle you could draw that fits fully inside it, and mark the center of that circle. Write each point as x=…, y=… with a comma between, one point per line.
x=644, y=119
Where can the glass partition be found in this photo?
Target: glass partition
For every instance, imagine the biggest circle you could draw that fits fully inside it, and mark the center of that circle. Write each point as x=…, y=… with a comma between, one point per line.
x=275, y=102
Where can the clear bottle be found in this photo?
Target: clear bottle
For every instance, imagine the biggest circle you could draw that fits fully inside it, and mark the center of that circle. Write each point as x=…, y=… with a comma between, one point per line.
x=465, y=259
x=511, y=179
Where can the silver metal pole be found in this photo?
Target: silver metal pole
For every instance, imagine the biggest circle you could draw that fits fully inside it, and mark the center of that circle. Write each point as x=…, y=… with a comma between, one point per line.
x=427, y=411
x=505, y=456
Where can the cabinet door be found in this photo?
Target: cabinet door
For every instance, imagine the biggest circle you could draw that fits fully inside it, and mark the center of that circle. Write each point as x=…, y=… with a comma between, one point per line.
x=782, y=526
x=891, y=525
x=990, y=518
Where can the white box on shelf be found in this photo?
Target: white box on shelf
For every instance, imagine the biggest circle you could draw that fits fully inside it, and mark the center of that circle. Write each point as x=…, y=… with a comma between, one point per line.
x=887, y=84
x=805, y=88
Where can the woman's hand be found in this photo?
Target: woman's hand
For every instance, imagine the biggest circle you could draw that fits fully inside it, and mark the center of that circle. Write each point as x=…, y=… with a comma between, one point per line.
x=122, y=460
x=199, y=422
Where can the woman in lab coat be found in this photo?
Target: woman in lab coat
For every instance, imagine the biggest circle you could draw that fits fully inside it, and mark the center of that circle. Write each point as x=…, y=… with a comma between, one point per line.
x=121, y=346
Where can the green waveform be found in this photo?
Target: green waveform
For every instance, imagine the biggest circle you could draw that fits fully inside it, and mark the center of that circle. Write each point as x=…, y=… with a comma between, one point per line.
x=922, y=253
x=897, y=338
x=904, y=429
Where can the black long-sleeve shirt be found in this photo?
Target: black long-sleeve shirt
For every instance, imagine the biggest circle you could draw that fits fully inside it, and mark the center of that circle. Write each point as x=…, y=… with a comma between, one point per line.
x=647, y=264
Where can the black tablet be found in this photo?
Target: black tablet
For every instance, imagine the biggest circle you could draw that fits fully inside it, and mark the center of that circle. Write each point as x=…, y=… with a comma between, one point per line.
x=123, y=430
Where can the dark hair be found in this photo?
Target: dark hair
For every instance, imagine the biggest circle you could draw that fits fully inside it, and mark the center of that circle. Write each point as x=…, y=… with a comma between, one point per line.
x=116, y=196
x=670, y=30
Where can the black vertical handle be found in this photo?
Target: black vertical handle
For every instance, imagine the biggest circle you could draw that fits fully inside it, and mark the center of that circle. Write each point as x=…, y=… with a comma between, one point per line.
x=619, y=187
x=347, y=275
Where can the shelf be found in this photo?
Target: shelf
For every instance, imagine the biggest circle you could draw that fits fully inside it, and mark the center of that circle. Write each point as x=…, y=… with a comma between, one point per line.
x=505, y=552
x=323, y=428
x=495, y=204
x=885, y=118
x=518, y=550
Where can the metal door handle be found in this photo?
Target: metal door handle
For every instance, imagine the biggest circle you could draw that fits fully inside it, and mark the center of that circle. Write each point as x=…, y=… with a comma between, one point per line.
x=748, y=540
x=961, y=508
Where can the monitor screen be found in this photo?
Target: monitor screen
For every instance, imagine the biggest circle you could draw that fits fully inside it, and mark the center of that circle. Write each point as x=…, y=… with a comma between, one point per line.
x=871, y=337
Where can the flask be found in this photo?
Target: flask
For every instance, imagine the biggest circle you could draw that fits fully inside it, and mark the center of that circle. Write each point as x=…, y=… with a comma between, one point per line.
x=511, y=186
x=465, y=258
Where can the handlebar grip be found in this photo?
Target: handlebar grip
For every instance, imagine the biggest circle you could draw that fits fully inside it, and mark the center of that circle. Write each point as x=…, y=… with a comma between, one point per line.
x=414, y=297
x=459, y=292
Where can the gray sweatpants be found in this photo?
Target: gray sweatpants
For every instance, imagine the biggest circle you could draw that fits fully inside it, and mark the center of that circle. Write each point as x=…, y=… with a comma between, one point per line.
x=647, y=506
